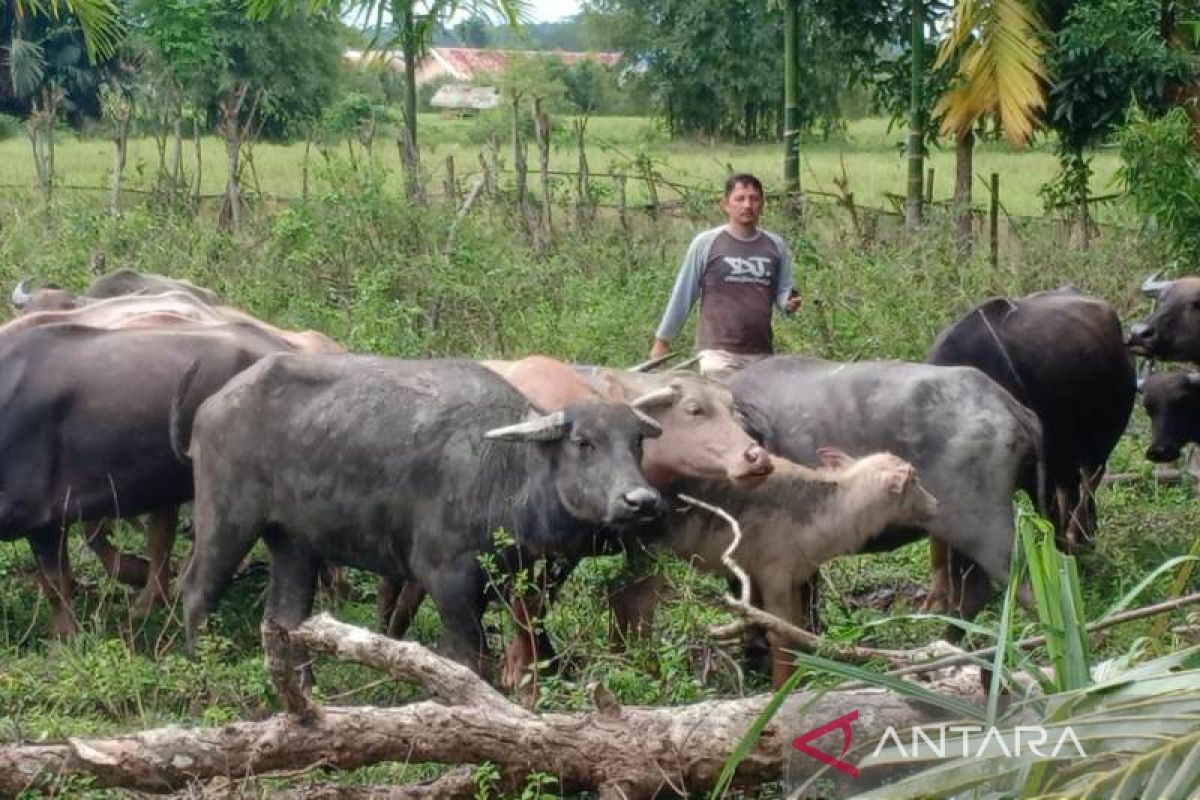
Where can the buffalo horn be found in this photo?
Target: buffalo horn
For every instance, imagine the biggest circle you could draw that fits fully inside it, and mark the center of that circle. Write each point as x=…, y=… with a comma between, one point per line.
x=1153, y=287
x=663, y=396
x=538, y=429
x=1193, y=378
x=648, y=425
x=20, y=298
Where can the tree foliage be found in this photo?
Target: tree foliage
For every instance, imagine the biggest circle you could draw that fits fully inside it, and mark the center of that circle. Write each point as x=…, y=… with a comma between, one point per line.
x=713, y=66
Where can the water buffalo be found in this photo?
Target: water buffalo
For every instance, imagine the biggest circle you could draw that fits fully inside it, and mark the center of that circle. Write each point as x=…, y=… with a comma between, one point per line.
x=122, y=282
x=797, y=520
x=1061, y=354
x=1172, y=332
x=971, y=442
x=84, y=430
x=700, y=439
x=406, y=469
x=1172, y=401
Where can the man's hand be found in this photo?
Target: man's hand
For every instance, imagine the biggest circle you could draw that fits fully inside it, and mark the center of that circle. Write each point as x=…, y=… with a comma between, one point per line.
x=792, y=303
x=659, y=348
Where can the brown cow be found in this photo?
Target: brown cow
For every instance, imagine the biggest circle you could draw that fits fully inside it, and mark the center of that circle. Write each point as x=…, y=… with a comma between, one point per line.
x=797, y=520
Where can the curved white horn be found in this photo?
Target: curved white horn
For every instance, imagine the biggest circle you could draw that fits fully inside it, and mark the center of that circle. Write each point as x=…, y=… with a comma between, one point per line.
x=538, y=429
x=20, y=298
x=648, y=425
x=663, y=396
x=1153, y=287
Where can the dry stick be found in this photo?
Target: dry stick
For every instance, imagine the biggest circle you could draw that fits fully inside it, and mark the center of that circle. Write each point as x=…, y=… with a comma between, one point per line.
x=727, y=555
x=472, y=196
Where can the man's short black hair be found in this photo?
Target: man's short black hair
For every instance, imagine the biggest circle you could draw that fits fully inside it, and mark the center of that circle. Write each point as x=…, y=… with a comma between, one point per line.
x=743, y=179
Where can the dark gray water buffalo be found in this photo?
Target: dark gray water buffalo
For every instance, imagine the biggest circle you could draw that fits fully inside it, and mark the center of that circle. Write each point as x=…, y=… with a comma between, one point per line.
x=1172, y=332
x=1172, y=401
x=406, y=469
x=1062, y=355
x=84, y=436
x=700, y=439
x=971, y=442
x=115, y=284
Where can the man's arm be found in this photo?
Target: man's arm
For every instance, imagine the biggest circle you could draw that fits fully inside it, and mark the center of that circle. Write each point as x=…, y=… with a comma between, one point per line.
x=683, y=295
x=785, y=297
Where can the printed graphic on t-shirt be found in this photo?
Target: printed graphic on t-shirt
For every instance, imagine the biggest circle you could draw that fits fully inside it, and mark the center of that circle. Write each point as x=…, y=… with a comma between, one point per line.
x=755, y=269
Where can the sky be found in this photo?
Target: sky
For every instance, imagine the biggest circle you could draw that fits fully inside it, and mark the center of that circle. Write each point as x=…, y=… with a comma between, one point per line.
x=552, y=10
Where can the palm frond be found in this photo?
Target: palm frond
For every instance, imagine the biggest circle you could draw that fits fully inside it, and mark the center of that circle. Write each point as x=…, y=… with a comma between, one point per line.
x=26, y=66
x=100, y=21
x=999, y=48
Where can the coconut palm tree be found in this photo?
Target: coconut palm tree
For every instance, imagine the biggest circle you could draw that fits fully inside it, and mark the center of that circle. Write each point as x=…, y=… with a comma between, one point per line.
x=998, y=45
x=99, y=20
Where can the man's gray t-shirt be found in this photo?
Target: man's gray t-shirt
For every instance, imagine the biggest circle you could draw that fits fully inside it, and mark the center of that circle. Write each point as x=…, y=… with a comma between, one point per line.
x=737, y=281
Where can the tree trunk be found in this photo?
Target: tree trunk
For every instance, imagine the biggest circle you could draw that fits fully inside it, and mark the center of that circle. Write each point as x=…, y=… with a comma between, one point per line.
x=916, y=128
x=630, y=752
x=199, y=161
x=964, y=151
x=120, y=143
x=177, y=182
x=520, y=168
x=583, y=192
x=231, y=131
x=409, y=151
x=541, y=124
x=791, y=110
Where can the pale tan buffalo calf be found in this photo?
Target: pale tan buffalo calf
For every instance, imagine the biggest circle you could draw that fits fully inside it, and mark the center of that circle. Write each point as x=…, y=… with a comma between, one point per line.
x=798, y=519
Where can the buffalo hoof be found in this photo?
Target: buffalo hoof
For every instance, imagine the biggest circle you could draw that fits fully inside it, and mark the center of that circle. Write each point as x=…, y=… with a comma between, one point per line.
x=64, y=626
x=147, y=600
x=517, y=660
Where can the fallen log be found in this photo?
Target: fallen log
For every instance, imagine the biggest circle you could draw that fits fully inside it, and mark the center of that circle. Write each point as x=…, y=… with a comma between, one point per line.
x=616, y=751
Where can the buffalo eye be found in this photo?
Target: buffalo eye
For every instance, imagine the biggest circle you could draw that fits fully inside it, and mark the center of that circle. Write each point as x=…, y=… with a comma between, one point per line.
x=694, y=409
x=584, y=444
x=1196, y=305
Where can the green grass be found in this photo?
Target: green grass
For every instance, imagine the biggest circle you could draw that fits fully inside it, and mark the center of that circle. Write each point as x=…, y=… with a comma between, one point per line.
x=870, y=155
x=362, y=265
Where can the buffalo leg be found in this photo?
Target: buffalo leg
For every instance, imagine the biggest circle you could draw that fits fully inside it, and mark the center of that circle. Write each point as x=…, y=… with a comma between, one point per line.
x=786, y=602
x=458, y=592
x=293, y=585
x=969, y=591
x=634, y=604
x=214, y=560
x=54, y=573
x=938, y=598
x=397, y=605
x=526, y=610
x=130, y=570
x=160, y=540
x=532, y=643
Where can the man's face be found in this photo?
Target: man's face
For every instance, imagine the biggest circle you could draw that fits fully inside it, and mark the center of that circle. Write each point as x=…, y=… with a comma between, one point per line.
x=743, y=205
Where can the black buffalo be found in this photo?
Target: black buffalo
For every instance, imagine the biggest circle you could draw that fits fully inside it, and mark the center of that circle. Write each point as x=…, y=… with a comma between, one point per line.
x=122, y=282
x=1172, y=332
x=84, y=434
x=406, y=469
x=1172, y=401
x=1061, y=354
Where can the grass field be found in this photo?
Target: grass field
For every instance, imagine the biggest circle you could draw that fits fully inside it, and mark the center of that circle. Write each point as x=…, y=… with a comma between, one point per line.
x=361, y=264
x=870, y=155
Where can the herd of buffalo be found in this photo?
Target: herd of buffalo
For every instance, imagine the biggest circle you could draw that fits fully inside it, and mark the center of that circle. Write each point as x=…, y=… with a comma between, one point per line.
x=147, y=392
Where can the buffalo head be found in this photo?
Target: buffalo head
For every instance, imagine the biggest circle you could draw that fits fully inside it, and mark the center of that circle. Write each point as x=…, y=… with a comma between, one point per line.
x=1172, y=401
x=1172, y=332
x=594, y=451
x=48, y=298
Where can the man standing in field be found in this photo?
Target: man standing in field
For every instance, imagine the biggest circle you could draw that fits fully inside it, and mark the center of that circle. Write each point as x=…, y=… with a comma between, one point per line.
x=737, y=271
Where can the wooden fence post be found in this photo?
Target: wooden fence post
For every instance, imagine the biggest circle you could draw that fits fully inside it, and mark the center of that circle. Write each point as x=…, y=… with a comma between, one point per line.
x=583, y=199
x=541, y=128
x=451, y=185
x=929, y=187
x=994, y=221
x=622, y=214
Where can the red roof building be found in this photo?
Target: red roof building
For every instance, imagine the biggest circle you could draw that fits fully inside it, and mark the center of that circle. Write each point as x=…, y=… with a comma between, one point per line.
x=464, y=64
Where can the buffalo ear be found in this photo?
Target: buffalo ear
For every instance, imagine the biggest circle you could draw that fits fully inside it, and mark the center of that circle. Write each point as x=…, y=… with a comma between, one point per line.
x=535, y=428
x=834, y=458
x=897, y=479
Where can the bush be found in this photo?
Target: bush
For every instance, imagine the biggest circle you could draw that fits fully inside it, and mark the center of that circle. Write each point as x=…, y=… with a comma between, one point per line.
x=1161, y=172
x=10, y=126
